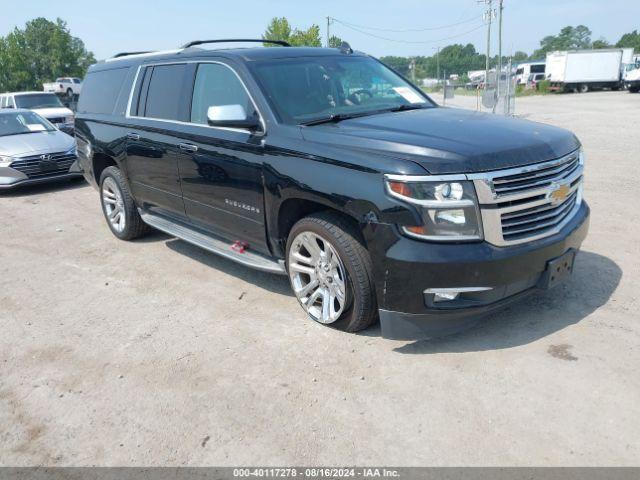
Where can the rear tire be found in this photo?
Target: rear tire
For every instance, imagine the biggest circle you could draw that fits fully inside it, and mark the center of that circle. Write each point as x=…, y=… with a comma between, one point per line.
x=118, y=206
x=584, y=88
x=349, y=266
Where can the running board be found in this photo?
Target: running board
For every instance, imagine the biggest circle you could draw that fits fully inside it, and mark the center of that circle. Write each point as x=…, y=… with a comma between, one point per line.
x=213, y=244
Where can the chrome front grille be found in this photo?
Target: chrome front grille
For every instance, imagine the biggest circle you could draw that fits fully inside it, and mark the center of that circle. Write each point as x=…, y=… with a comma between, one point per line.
x=528, y=203
x=31, y=166
x=539, y=178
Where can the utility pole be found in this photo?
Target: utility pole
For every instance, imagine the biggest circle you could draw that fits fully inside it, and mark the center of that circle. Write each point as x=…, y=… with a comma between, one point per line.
x=500, y=34
x=500, y=7
x=328, y=25
x=437, y=63
x=488, y=14
x=412, y=67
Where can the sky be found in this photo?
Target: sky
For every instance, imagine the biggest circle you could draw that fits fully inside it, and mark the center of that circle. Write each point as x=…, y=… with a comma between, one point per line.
x=403, y=27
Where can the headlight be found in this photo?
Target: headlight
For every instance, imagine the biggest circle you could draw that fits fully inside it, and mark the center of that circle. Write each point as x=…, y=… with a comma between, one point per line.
x=581, y=157
x=448, y=209
x=72, y=151
x=68, y=119
x=5, y=160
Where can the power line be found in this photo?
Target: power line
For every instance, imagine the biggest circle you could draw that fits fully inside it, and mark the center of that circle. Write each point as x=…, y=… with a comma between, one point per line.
x=364, y=27
x=408, y=41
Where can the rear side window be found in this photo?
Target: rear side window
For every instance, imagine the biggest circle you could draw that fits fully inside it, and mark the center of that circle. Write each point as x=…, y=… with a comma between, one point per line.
x=165, y=97
x=100, y=91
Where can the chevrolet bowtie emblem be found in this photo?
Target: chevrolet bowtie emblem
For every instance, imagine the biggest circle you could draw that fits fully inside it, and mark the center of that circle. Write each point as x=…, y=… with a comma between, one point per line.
x=560, y=193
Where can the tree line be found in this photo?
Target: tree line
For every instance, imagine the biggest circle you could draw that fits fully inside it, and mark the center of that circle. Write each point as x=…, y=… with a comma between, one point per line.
x=44, y=50
x=455, y=58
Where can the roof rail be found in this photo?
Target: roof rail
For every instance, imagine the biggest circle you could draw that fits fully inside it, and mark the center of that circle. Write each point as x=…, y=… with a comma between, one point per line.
x=126, y=54
x=237, y=40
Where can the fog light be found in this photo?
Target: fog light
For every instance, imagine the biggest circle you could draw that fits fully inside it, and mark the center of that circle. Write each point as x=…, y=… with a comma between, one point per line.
x=445, y=296
x=449, y=294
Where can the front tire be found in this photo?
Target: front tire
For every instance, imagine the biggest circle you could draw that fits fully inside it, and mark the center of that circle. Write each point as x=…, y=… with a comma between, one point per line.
x=331, y=273
x=118, y=206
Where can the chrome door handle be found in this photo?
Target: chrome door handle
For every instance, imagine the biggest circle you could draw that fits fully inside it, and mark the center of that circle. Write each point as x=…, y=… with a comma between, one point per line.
x=188, y=147
x=133, y=136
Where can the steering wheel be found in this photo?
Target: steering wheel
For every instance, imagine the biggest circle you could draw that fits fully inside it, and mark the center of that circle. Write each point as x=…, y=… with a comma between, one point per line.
x=354, y=96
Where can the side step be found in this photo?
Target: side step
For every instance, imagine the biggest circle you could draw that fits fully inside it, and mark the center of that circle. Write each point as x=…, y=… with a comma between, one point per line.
x=213, y=244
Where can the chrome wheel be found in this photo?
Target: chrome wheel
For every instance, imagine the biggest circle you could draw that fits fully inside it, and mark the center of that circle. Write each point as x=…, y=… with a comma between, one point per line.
x=318, y=277
x=113, y=204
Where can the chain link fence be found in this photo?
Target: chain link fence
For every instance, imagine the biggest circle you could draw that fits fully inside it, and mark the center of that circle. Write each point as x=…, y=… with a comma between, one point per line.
x=497, y=96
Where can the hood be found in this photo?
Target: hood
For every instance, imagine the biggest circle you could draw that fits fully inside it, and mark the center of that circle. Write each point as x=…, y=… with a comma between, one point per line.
x=35, y=143
x=449, y=140
x=53, y=112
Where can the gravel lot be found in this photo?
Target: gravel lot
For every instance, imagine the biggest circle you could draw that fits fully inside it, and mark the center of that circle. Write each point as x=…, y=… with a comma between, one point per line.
x=157, y=353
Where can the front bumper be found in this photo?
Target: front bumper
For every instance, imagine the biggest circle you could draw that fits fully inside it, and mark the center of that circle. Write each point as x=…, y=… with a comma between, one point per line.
x=11, y=178
x=405, y=268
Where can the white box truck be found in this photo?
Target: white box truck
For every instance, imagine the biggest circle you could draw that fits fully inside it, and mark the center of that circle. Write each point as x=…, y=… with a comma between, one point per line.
x=584, y=70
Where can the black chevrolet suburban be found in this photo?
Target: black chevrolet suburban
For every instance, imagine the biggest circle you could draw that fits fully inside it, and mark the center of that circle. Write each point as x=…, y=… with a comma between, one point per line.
x=329, y=167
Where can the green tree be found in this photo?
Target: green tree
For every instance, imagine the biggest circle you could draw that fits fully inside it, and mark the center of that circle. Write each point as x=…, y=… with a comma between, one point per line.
x=601, y=43
x=569, y=38
x=630, y=40
x=280, y=29
x=335, y=42
x=306, y=38
x=399, y=64
x=519, y=56
x=41, y=52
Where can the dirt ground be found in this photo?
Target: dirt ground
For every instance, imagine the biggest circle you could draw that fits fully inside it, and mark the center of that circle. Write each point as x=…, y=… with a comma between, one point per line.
x=157, y=353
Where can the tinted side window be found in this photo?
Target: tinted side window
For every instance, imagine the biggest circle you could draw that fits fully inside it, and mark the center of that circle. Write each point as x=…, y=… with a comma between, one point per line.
x=100, y=91
x=165, y=94
x=217, y=85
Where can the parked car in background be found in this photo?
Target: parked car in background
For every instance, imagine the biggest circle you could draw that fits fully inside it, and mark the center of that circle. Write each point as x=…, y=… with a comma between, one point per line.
x=324, y=165
x=32, y=150
x=534, y=78
x=68, y=86
x=47, y=105
x=524, y=70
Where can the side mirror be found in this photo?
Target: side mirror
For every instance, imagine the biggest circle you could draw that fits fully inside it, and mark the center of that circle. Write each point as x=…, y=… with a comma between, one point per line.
x=231, y=116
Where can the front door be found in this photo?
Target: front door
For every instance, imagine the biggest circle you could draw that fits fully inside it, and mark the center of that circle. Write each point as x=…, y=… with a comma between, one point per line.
x=221, y=169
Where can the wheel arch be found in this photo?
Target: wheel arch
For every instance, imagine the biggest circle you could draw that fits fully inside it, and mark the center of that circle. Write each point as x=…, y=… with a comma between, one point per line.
x=99, y=162
x=294, y=209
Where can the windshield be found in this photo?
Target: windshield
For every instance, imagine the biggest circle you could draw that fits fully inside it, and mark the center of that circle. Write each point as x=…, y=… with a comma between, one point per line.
x=302, y=90
x=38, y=100
x=17, y=123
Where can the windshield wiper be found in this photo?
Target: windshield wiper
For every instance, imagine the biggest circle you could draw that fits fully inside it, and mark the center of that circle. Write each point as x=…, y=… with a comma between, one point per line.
x=333, y=118
x=402, y=108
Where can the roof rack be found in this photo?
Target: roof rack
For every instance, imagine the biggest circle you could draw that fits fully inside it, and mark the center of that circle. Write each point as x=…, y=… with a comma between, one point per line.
x=126, y=54
x=237, y=40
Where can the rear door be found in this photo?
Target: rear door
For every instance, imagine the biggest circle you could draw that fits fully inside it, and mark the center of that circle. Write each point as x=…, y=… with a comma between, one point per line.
x=160, y=102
